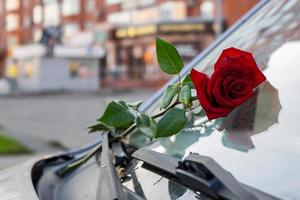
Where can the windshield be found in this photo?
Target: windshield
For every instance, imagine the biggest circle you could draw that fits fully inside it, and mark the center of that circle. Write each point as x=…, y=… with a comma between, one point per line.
x=259, y=142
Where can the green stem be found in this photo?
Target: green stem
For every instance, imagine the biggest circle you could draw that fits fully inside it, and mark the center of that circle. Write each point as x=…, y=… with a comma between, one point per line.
x=179, y=79
x=127, y=131
x=83, y=160
x=179, y=85
x=159, y=114
x=194, y=98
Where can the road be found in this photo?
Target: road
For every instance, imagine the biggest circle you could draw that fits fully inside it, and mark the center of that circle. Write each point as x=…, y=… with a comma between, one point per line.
x=59, y=118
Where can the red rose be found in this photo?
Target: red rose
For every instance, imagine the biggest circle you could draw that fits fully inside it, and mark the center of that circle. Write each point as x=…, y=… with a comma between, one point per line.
x=235, y=76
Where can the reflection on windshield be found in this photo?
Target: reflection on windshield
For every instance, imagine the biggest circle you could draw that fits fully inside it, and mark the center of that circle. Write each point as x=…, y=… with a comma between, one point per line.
x=254, y=116
x=156, y=186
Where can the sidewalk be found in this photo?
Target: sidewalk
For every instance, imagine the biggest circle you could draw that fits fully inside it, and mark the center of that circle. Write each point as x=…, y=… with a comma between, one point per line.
x=9, y=161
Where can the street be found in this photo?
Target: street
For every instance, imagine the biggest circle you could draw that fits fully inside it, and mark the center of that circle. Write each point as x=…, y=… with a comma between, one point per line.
x=58, y=119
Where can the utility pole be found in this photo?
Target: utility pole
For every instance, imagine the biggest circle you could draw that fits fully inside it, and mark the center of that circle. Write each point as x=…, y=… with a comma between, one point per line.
x=219, y=18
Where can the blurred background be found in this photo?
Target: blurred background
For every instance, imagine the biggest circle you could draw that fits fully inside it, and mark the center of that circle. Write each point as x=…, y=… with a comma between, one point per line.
x=61, y=61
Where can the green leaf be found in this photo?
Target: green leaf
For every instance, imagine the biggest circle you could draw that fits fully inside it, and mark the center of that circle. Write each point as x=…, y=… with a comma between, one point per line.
x=117, y=115
x=168, y=95
x=146, y=124
x=168, y=58
x=123, y=103
x=98, y=127
x=188, y=81
x=185, y=95
x=171, y=123
x=135, y=105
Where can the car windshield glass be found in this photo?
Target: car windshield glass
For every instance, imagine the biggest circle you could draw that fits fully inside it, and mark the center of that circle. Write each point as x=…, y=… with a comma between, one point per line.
x=259, y=142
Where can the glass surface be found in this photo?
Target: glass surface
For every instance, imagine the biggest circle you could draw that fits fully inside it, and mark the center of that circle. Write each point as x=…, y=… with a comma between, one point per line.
x=259, y=142
x=150, y=185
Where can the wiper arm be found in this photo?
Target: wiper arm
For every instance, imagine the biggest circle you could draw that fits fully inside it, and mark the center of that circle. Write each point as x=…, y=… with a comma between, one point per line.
x=200, y=173
x=109, y=186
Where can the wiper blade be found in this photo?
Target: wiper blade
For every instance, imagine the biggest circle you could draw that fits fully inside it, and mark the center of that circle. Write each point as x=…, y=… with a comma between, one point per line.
x=200, y=173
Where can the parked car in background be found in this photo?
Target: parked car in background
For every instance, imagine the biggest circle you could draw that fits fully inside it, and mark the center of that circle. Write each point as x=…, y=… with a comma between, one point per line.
x=254, y=153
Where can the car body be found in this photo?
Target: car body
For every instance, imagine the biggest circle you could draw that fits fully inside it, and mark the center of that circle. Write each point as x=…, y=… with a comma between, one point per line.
x=265, y=155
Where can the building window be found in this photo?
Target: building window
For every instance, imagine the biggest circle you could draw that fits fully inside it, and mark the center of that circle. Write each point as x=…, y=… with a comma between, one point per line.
x=51, y=14
x=109, y=2
x=90, y=6
x=12, y=22
x=131, y=5
x=207, y=9
x=12, y=5
x=145, y=15
x=146, y=2
x=173, y=10
x=37, y=14
x=121, y=18
x=70, y=7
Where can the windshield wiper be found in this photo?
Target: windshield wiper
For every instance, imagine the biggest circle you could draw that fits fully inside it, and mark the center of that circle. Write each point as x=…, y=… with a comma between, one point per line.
x=197, y=172
x=109, y=185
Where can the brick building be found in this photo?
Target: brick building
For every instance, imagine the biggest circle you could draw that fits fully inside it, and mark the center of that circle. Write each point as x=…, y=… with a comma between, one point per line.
x=2, y=39
x=17, y=26
x=125, y=28
x=191, y=25
x=22, y=21
x=25, y=19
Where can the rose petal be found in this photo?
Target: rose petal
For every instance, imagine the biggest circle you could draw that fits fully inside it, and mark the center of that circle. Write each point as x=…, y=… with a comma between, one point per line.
x=257, y=76
x=245, y=62
x=200, y=81
x=231, y=53
x=219, y=95
x=240, y=96
x=244, y=87
x=212, y=116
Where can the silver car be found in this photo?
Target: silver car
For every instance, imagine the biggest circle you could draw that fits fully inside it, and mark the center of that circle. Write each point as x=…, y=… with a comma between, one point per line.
x=254, y=153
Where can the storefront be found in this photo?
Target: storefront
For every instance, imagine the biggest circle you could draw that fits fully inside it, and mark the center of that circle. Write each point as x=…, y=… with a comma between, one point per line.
x=69, y=69
x=135, y=58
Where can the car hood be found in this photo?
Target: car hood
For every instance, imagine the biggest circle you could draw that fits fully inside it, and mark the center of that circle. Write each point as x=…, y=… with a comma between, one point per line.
x=16, y=182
